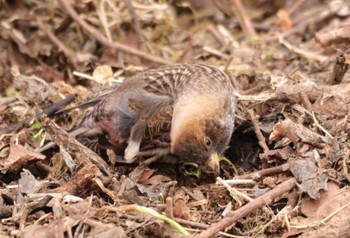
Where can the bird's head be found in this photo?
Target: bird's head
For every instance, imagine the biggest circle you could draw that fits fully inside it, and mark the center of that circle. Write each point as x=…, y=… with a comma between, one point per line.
x=201, y=140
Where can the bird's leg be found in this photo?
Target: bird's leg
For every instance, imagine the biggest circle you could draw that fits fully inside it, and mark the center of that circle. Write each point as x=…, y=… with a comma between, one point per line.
x=155, y=153
x=162, y=142
x=152, y=152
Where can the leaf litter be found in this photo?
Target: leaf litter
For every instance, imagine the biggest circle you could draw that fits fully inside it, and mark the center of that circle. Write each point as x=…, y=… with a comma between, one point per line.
x=286, y=173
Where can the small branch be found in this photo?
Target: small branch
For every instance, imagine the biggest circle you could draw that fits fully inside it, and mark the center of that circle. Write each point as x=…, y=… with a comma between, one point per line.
x=135, y=19
x=104, y=41
x=257, y=131
x=310, y=55
x=261, y=173
x=73, y=146
x=244, y=20
x=323, y=221
x=61, y=46
x=216, y=52
x=320, y=126
x=169, y=207
x=29, y=207
x=64, y=25
x=238, y=181
x=295, y=6
x=234, y=191
x=191, y=223
x=57, y=106
x=103, y=18
x=305, y=101
x=259, y=202
x=335, y=36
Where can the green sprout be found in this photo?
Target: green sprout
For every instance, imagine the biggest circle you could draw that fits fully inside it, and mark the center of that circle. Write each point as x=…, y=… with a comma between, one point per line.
x=191, y=169
x=37, y=130
x=223, y=158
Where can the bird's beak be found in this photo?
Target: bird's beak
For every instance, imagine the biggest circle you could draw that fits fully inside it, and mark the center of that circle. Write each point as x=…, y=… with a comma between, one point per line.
x=214, y=163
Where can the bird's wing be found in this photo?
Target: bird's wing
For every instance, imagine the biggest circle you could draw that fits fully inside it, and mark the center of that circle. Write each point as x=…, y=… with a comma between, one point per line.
x=103, y=93
x=154, y=121
x=158, y=118
x=139, y=110
x=167, y=79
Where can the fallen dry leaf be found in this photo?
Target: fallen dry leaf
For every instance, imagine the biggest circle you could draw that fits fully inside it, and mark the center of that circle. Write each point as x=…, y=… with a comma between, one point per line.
x=28, y=184
x=157, y=179
x=334, y=204
x=110, y=231
x=335, y=36
x=296, y=133
x=310, y=177
x=18, y=157
x=55, y=229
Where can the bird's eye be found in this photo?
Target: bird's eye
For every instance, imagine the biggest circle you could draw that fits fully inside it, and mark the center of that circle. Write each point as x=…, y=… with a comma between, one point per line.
x=207, y=141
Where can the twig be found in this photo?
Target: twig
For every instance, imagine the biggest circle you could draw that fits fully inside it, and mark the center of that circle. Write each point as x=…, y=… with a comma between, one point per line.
x=310, y=113
x=82, y=75
x=217, y=35
x=201, y=202
x=295, y=6
x=281, y=214
x=64, y=25
x=169, y=207
x=29, y=207
x=257, y=131
x=259, y=202
x=305, y=101
x=264, y=172
x=107, y=191
x=307, y=54
x=238, y=181
x=228, y=63
x=74, y=147
x=244, y=20
x=61, y=46
x=338, y=35
x=102, y=15
x=233, y=190
x=320, y=126
x=103, y=40
x=324, y=220
x=135, y=19
x=192, y=223
x=216, y=52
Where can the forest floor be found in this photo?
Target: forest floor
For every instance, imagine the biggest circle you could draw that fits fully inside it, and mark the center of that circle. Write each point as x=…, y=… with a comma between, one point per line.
x=286, y=173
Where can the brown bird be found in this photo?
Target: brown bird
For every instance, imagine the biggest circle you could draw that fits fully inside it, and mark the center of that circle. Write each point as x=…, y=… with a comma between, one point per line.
x=185, y=111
